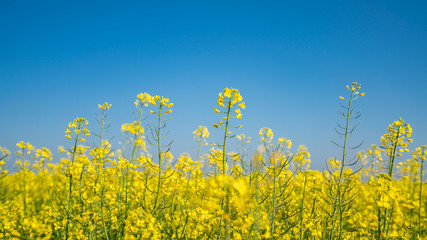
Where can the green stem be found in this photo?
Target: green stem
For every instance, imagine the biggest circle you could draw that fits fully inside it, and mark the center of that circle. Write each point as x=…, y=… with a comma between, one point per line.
x=225, y=138
x=159, y=149
x=393, y=157
x=103, y=173
x=338, y=198
x=387, y=222
x=223, y=173
x=127, y=173
x=70, y=186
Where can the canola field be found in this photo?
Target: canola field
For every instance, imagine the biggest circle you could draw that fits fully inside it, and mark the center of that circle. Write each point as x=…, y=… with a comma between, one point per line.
x=141, y=191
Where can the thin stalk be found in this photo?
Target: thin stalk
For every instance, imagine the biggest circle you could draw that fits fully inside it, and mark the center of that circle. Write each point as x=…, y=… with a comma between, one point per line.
x=338, y=198
x=223, y=173
x=225, y=138
x=103, y=173
x=393, y=157
x=347, y=125
x=159, y=116
x=70, y=184
x=126, y=179
x=390, y=173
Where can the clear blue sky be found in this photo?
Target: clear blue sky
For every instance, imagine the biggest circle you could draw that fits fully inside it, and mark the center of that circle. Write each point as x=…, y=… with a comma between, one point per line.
x=290, y=60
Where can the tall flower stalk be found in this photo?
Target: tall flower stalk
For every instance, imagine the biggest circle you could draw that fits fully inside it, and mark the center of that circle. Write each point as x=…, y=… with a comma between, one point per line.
x=230, y=101
x=79, y=125
x=344, y=132
x=278, y=163
x=100, y=155
x=394, y=144
x=163, y=107
x=136, y=131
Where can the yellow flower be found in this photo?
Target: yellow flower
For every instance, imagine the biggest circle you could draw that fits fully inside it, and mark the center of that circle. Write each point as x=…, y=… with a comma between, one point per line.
x=201, y=133
x=20, y=145
x=106, y=106
x=227, y=92
x=61, y=149
x=242, y=105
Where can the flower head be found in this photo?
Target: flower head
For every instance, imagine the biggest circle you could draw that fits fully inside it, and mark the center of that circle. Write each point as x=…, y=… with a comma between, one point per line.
x=230, y=99
x=104, y=106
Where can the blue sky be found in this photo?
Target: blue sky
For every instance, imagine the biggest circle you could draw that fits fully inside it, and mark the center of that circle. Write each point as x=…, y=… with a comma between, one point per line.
x=290, y=60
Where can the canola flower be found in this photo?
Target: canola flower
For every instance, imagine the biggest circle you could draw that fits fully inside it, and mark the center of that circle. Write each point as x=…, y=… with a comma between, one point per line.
x=232, y=103
x=201, y=134
x=140, y=191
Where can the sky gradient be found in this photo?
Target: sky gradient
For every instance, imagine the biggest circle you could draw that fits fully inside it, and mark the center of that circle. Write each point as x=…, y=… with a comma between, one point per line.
x=290, y=60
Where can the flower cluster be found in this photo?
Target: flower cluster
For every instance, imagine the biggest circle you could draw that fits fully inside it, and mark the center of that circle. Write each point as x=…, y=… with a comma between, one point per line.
x=229, y=99
x=162, y=103
x=133, y=128
x=266, y=135
x=104, y=106
x=25, y=147
x=354, y=90
x=42, y=155
x=201, y=134
x=4, y=154
x=397, y=138
x=143, y=99
x=79, y=125
x=301, y=161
